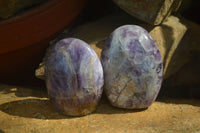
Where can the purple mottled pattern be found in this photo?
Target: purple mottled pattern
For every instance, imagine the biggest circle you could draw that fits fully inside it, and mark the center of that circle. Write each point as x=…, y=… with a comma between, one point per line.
x=74, y=77
x=132, y=67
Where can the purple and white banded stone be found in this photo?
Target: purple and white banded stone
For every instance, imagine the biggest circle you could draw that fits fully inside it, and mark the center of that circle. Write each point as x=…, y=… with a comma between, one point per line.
x=132, y=67
x=74, y=77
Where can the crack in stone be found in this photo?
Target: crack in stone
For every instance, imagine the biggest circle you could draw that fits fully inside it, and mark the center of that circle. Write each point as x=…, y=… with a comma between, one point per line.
x=122, y=90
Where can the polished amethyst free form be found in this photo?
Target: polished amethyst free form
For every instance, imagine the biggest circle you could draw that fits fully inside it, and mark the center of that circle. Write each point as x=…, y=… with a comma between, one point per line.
x=132, y=67
x=74, y=77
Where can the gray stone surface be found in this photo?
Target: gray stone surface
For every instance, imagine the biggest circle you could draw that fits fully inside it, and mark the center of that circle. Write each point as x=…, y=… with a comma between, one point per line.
x=150, y=11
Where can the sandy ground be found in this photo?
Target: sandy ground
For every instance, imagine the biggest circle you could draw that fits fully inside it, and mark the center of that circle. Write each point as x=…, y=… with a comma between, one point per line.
x=24, y=110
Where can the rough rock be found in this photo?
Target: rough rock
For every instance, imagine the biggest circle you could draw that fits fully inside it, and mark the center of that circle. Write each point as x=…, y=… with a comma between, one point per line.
x=74, y=77
x=187, y=78
x=132, y=67
x=186, y=49
x=9, y=7
x=167, y=37
x=150, y=11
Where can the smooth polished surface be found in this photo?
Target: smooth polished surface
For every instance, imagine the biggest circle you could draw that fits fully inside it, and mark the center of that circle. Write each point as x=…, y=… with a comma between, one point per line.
x=74, y=77
x=132, y=67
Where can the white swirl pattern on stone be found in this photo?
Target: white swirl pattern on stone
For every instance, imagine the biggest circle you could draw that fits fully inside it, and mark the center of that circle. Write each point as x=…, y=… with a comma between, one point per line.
x=132, y=68
x=74, y=77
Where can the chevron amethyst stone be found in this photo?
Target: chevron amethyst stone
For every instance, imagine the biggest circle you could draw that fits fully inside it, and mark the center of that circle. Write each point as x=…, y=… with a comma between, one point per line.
x=132, y=67
x=74, y=77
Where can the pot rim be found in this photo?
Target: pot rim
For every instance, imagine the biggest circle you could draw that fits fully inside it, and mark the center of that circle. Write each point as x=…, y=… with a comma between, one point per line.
x=25, y=29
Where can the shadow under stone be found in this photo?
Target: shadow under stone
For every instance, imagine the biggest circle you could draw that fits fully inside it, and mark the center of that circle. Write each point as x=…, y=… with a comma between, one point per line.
x=105, y=107
x=179, y=101
x=1, y=131
x=24, y=91
x=42, y=109
x=185, y=83
x=32, y=108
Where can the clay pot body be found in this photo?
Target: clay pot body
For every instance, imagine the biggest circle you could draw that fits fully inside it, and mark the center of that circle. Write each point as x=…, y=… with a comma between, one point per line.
x=25, y=37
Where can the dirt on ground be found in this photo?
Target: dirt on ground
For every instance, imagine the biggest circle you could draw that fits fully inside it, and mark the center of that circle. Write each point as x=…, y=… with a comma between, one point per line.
x=24, y=110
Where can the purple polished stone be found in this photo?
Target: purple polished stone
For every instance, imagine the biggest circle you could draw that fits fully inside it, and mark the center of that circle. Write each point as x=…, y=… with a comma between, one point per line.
x=132, y=67
x=74, y=77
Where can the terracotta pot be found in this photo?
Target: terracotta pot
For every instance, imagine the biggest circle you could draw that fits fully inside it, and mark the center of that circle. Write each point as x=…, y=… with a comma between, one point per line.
x=25, y=37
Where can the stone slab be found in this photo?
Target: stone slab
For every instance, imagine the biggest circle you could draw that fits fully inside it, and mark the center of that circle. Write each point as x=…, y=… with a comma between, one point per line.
x=187, y=79
x=25, y=110
x=150, y=11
